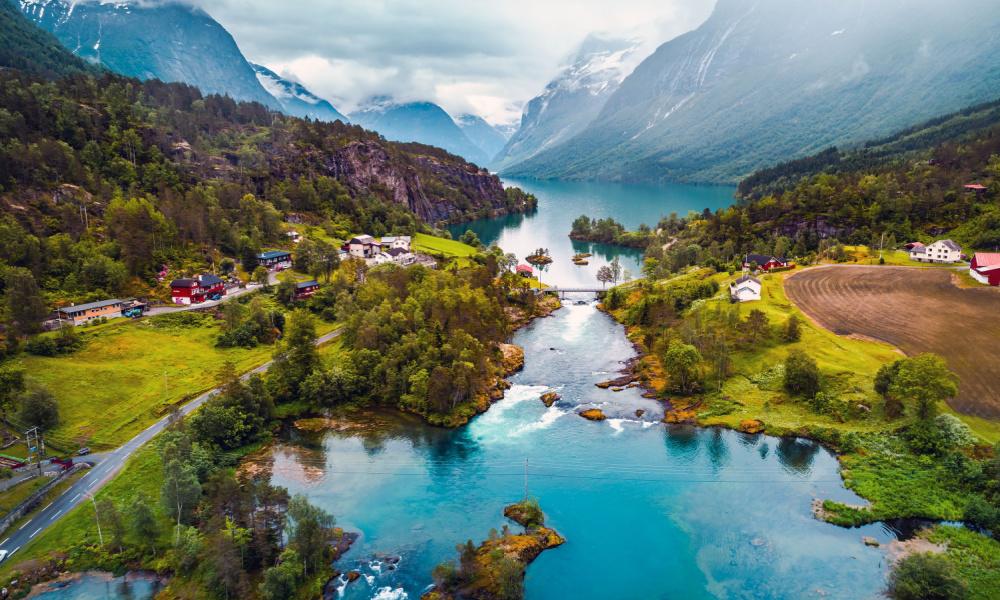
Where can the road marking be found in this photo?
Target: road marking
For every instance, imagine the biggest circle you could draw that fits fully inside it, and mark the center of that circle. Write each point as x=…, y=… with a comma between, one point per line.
x=75, y=497
x=47, y=507
x=53, y=518
x=92, y=483
x=25, y=525
x=34, y=534
x=14, y=550
x=4, y=542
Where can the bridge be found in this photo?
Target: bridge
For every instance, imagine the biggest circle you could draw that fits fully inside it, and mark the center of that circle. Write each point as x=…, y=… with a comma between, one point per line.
x=565, y=290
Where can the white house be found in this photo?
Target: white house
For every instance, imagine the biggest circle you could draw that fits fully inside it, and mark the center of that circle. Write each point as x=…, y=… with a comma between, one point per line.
x=396, y=241
x=745, y=289
x=294, y=236
x=941, y=251
x=363, y=246
x=401, y=256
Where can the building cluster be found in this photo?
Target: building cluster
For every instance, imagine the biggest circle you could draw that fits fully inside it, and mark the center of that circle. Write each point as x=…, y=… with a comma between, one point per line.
x=941, y=251
x=393, y=249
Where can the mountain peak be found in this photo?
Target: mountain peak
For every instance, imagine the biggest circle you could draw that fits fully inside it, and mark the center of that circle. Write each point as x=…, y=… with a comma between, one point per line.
x=295, y=99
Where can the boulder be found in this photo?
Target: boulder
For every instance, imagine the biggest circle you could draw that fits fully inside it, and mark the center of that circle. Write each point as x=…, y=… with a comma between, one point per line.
x=513, y=358
x=550, y=398
x=870, y=541
x=353, y=576
x=592, y=414
x=751, y=426
x=639, y=412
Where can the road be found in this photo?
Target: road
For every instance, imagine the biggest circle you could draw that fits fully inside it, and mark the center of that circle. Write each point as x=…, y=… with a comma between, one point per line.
x=104, y=468
x=230, y=294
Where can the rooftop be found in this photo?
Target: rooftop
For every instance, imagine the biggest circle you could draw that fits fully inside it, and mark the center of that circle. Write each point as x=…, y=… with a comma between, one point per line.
x=307, y=284
x=70, y=310
x=274, y=254
x=987, y=259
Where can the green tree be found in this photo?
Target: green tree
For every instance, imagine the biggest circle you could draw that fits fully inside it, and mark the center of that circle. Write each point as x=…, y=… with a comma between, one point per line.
x=310, y=530
x=793, y=331
x=470, y=238
x=25, y=306
x=112, y=522
x=605, y=275
x=296, y=358
x=802, y=375
x=924, y=381
x=261, y=276
x=38, y=409
x=756, y=324
x=682, y=362
x=140, y=229
x=282, y=580
x=926, y=576
x=12, y=385
x=179, y=492
x=144, y=528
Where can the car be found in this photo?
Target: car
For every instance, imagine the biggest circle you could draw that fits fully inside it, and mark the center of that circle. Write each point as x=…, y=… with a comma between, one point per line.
x=83, y=451
x=3, y=555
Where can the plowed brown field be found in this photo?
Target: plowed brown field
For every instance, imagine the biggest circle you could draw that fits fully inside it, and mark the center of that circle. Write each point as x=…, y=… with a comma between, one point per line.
x=916, y=310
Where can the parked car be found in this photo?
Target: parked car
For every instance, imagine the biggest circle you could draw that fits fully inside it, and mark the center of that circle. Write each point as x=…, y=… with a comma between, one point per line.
x=83, y=451
x=3, y=555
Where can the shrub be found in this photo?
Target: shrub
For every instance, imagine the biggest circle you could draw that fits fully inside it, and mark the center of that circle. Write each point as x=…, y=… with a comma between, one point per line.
x=42, y=345
x=926, y=577
x=793, y=331
x=801, y=374
x=953, y=431
x=984, y=515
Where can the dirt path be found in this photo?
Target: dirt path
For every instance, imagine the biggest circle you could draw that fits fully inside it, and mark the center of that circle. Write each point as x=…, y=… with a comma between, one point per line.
x=916, y=310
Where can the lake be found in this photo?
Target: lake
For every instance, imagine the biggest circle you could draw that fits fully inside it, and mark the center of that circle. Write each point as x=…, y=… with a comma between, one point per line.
x=560, y=202
x=648, y=510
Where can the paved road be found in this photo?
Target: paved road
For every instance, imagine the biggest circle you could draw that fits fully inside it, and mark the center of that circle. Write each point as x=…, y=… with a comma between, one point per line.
x=230, y=294
x=105, y=467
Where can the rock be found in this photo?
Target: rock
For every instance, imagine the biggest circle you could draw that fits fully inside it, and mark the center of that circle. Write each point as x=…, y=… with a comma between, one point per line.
x=593, y=414
x=751, y=426
x=353, y=576
x=616, y=382
x=617, y=389
x=639, y=412
x=550, y=398
x=870, y=541
x=513, y=358
x=649, y=395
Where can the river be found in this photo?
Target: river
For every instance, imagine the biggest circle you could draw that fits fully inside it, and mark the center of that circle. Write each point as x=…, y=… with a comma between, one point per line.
x=560, y=202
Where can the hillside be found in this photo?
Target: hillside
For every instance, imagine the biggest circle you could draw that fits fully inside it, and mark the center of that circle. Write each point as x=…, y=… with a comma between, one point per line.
x=909, y=186
x=169, y=41
x=22, y=48
x=774, y=80
x=105, y=179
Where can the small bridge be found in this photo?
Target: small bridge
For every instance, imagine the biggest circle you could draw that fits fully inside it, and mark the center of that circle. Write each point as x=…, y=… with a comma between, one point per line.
x=565, y=290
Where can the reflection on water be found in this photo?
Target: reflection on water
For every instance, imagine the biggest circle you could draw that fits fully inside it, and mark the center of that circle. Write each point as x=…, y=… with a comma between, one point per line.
x=101, y=586
x=559, y=202
x=688, y=512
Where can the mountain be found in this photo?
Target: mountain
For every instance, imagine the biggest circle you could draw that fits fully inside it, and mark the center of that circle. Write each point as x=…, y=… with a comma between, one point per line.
x=294, y=98
x=771, y=80
x=27, y=48
x=486, y=137
x=423, y=122
x=573, y=98
x=167, y=41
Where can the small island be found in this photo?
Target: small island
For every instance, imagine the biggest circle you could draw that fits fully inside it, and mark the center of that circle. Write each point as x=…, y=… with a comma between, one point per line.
x=496, y=568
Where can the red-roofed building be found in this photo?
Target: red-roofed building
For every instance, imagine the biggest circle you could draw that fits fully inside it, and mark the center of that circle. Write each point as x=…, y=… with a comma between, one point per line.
x=985, y=268
x=196, y=290
x=975, y=187
x=525, y=271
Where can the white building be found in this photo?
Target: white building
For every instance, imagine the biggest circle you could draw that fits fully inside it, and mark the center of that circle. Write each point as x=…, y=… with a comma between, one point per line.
x=745, y=289
x=941, y=251
x=401, y=242
x=363, y=246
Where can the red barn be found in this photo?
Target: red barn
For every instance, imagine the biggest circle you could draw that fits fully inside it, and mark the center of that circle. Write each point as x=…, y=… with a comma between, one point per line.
x=765, y=263
x=985, y=268
x=196, y=290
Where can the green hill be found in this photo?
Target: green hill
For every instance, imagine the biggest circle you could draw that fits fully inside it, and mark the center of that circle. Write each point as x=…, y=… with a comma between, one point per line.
x=25, y=47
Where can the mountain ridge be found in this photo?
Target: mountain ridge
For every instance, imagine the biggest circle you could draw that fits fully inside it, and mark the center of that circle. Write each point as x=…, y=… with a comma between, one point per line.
x=294, y=98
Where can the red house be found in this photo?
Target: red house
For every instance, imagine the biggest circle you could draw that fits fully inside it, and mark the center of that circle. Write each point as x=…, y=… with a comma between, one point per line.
x=525, y=270
x=304, y=289
x=975, y=187
x=985, y=268
x=196, y=290
x=766, y=263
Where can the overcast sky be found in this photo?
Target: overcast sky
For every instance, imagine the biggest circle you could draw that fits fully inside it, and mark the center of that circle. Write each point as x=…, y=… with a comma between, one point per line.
x=486, y=57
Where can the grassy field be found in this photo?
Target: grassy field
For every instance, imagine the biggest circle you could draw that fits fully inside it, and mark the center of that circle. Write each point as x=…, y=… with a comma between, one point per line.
x=440, y=247
x=130, y=373
x=900, y=258
x=754, y=391
x=9, y=499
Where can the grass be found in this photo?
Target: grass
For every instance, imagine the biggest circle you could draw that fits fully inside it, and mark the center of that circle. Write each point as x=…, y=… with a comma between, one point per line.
x=847, y=364
x=441, y=247
x=975, y=557
x=130, y=373
x=139, y=478
x=11, y=498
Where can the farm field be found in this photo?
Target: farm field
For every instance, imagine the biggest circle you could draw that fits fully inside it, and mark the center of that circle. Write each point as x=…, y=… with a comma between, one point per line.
x=916, y=310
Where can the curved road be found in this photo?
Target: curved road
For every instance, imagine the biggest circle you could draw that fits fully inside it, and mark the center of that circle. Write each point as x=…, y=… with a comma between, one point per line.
x=105, y=468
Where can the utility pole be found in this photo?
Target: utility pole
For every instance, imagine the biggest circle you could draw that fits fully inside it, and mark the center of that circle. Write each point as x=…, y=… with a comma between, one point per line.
x=881, y=244
x=97, y=516
x=36, y=447
x=525, y=479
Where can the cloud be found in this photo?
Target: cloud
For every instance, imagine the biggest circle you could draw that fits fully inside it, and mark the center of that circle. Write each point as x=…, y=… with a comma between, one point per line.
x=479, y=56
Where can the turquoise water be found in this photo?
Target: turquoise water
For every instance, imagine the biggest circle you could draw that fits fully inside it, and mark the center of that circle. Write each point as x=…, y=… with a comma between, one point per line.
x=102, y=587
x=559, y=202
x=649, y=511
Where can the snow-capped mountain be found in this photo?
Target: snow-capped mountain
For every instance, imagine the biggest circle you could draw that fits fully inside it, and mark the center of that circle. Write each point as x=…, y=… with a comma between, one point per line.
x=486, y=137
x=295, y=99
x=423, y=122
x=169, y=41
x=770, y=80
x=572, y=100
